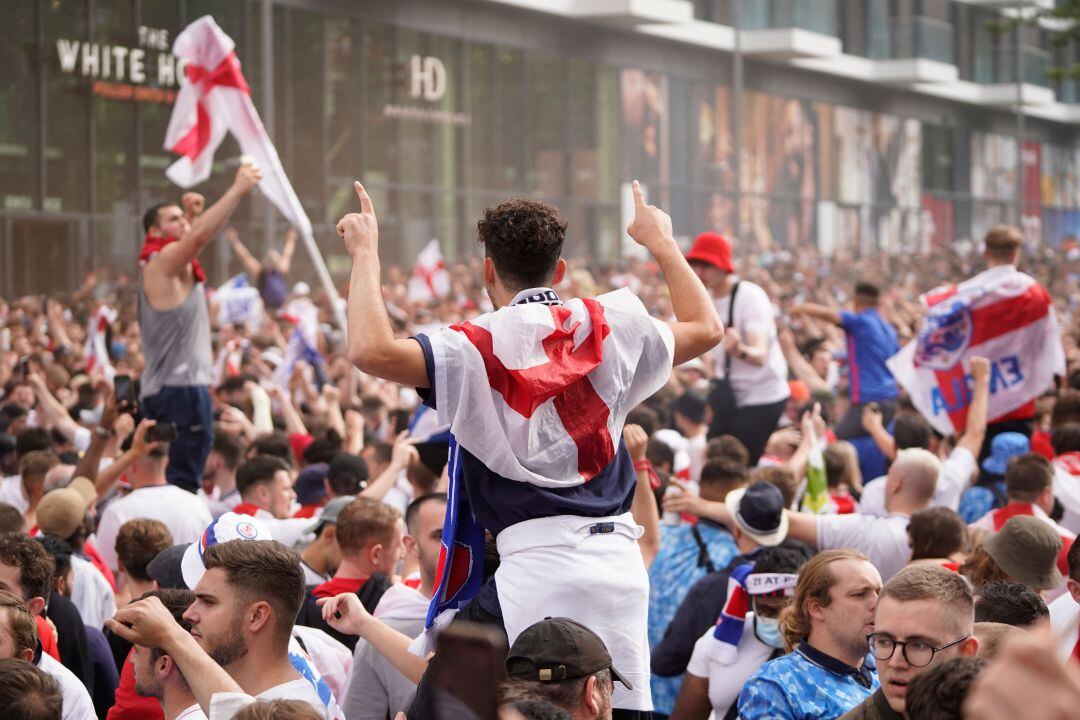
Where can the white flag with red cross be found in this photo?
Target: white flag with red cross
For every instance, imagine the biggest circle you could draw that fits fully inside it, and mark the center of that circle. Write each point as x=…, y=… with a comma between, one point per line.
x=1004, y=316
x=96, y=348
x=215, y=100
x=429, y=280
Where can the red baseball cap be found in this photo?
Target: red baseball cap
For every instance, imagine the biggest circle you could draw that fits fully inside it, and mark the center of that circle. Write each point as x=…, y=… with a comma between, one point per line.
x=712, y=248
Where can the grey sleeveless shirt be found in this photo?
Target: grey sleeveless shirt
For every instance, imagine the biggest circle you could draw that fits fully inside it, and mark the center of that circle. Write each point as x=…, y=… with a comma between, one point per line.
x=176, y=343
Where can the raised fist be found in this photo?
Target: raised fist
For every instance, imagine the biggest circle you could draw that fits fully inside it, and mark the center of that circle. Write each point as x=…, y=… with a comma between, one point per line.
x=193, y=204
x=248, y=176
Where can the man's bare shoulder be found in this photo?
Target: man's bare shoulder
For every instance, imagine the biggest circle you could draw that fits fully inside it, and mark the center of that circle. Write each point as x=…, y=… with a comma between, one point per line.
x=165, y=290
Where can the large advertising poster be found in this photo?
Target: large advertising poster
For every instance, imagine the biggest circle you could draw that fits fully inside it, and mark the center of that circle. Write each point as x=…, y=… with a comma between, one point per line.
x=877, y=165
x=712, y=165
x=644, y=119
x=1058, y=178
x=779, y=180
x=937, y=228
x=993, y=166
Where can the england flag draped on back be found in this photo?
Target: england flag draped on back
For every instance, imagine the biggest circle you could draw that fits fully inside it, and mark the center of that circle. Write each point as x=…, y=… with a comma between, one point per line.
x=216, y=100
x=1003, y=315
x=539, y=393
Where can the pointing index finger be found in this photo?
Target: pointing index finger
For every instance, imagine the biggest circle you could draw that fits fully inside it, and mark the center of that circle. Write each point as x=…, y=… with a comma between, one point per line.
x=639, y=198
x=365, y=199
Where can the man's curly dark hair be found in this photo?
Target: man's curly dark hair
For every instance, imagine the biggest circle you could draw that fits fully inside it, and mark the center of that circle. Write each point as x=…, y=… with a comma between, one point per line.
x=524, y=240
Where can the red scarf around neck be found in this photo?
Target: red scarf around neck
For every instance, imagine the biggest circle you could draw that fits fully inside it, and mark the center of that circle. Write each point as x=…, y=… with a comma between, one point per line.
x=153, y=245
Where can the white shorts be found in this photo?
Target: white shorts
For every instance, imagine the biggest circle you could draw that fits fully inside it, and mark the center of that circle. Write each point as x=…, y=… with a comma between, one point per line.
x=554, y=567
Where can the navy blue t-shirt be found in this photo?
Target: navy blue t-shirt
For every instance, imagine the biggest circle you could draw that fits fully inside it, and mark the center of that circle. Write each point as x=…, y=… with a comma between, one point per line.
x=871, y=341
x=500, y=502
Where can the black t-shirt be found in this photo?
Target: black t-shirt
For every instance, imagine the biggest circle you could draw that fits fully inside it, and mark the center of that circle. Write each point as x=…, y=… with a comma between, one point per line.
x=71, y=638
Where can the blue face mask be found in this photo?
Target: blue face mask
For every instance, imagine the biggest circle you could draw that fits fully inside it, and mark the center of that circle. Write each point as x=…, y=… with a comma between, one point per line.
x=768, y=632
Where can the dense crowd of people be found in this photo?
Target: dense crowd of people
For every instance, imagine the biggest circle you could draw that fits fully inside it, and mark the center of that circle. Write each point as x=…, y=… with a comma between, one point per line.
x=685, y=484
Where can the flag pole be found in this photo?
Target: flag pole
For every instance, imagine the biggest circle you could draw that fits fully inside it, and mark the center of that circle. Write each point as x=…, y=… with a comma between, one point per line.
x=326, y=280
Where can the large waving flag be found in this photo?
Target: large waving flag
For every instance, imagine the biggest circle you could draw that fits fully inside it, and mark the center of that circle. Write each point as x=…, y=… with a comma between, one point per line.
x=1003, y=315
x=429, y=280
x=214, y=101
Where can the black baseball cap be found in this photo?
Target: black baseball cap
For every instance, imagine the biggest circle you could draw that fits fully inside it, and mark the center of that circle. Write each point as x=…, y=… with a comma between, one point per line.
x=557, y=649
x=165, y=570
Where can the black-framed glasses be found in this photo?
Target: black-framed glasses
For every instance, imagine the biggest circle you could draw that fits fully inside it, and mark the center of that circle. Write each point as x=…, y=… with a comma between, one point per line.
x=917, y=653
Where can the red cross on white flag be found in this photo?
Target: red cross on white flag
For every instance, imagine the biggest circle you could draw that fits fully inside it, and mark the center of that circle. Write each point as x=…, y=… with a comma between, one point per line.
x=214, y=99
x=429, y=280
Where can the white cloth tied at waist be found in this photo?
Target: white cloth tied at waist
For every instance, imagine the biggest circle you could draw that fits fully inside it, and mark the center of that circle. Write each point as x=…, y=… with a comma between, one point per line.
x=557, y=567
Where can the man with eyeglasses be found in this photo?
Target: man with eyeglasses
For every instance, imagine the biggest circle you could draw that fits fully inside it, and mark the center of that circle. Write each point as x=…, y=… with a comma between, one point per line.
x=924, y=616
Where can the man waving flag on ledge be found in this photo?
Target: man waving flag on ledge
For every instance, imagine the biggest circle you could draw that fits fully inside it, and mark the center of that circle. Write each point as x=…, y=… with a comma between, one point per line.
x=536, y=394
x=1001, y=314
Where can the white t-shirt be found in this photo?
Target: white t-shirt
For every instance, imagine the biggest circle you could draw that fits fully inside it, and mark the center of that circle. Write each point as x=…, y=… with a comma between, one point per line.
x=726, y=681
x=11, y=492
x=1063, y=612
x=883, y=539
x=224, y=706
x=754, y=384
x=331, y=659
x=77, y=704
x=695, y=448
x=192, y=713
x=400, y=494
x=954, y=478
x=91, y=593
x=184, y=513
x=1066, y=489
x=310, y=576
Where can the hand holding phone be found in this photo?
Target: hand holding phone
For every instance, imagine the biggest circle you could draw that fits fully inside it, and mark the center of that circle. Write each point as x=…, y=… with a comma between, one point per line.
x=162, y=432
x=125, y=393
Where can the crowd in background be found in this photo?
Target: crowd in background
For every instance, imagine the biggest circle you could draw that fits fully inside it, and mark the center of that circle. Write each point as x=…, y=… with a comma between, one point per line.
x=346, y=470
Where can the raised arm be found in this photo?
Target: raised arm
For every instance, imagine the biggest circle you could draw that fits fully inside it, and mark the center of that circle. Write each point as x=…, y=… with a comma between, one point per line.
x=643, y=507
x=174, y=258
x=975, y=430
x=148, y=623
x=401, y=457
x=874, y=424
x=372, y=345
x=697, y=328
x=251, y=265
x=52, y=408
x=345, y=614
x=798, y=364
x=287, y=253
x=821, y=312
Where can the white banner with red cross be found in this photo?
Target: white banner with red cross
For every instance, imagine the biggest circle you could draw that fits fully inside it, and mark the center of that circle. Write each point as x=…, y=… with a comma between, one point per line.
x=1004, y=316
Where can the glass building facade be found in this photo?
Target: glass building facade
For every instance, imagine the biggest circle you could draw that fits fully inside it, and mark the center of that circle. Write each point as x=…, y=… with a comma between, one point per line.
x=445, y=107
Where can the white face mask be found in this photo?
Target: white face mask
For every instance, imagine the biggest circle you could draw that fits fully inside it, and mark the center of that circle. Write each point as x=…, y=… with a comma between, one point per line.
x=768, y=632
